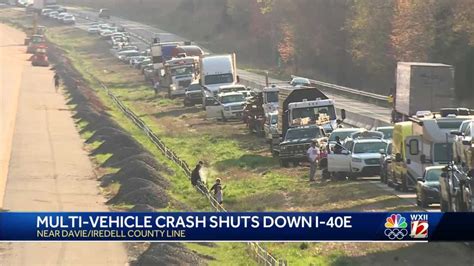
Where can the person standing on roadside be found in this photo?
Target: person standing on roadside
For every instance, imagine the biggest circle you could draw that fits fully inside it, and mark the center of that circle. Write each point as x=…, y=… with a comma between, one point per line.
x=217, y=190
x=156, y=87
x=196, y=175
x=338, y=146
x=56, y=81
x=313, y=156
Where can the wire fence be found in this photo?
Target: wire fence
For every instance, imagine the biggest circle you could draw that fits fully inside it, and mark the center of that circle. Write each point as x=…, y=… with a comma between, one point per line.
x=260, y=254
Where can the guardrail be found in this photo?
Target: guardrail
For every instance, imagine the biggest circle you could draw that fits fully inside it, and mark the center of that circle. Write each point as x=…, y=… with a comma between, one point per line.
x=378, y=99
x=261, y=255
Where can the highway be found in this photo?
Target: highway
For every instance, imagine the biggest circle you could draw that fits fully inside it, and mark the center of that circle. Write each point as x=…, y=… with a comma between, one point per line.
x=48, y=169
x=359, y=113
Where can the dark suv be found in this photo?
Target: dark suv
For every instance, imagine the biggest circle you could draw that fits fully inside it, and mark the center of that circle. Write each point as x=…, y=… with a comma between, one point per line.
x=297, y=140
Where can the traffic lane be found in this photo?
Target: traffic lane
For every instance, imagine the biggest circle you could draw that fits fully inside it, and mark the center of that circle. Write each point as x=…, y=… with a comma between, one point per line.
x=351, y=105
x=13, y=60
x=49, y=170
x=84, y=24
x=146, y=31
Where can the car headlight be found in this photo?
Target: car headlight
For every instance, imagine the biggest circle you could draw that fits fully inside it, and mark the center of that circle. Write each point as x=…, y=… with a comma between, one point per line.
x=283, y=148
x=356, y=160
x=173, y=87
x=226, y=108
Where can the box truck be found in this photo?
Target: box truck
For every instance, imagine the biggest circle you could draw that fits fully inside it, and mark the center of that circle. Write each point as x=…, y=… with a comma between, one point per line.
x=422, y=87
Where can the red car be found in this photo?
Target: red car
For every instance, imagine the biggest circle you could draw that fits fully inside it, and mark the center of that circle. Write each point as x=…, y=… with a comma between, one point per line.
x=40, y=58
x=36, y=41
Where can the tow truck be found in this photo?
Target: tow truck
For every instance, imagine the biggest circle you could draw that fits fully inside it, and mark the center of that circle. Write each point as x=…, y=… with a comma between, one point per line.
x=298, y=107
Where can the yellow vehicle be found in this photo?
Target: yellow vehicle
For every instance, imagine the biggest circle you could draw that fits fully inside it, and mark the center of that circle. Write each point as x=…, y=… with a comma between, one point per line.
x=398, y=171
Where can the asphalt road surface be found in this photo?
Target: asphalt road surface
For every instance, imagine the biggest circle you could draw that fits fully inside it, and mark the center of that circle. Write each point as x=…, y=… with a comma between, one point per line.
x=48, y=168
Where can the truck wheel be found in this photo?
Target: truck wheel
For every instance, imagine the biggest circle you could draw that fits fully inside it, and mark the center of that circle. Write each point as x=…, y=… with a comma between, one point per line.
x=223, y=117
x=284, y=163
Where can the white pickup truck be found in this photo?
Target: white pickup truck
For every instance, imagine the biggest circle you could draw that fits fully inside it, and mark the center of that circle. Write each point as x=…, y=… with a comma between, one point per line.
x=360, y=157
x=228, y=105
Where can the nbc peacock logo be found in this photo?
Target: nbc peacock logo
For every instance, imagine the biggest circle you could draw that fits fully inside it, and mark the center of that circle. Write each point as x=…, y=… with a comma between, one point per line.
x=396, y=227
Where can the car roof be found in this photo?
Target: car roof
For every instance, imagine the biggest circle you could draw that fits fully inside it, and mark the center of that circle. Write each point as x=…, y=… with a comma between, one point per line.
x=128, y=51
x=230, y=93
x=305, y=127
x=435, y=167
x=380, y=128
x=232, y=86
x=300, y=79
x=345, y=129
x=368, y=140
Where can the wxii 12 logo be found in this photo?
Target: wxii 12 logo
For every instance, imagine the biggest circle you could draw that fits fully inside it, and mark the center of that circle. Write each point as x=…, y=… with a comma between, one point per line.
x=419, y=226
x=396, y=227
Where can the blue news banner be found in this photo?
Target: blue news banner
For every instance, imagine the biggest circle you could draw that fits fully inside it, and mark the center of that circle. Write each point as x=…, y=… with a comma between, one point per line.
x=236, y=226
